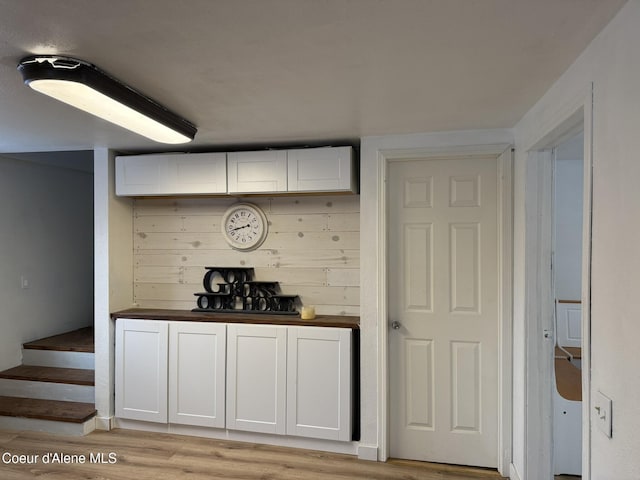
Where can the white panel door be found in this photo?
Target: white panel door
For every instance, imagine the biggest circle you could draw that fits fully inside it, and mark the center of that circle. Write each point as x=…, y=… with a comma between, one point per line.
x=141, y=369
x=569, y=323
x=257, y=172
x=256, y=378
x=319, y=382
x=443, y=292
x=197, y=363
x=327, y=169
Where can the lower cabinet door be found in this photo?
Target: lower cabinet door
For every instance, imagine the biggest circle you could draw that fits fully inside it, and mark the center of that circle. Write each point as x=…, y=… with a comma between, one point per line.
x=197, y=357
x=319, y=383
x=256, y=378
x=141, y=370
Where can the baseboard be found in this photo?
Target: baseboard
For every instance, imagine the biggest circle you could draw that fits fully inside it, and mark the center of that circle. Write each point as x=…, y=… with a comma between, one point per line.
x=347, y=448
x=513, y=472
x=368, y=452
x=104, y=423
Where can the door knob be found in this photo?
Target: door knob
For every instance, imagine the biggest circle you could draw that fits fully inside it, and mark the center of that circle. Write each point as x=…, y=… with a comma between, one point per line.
x=396, y=325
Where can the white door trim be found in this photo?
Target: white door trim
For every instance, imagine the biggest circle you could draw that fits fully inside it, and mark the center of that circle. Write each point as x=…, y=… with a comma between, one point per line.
x=538, y=317
x=505, y=218
x=571, y=117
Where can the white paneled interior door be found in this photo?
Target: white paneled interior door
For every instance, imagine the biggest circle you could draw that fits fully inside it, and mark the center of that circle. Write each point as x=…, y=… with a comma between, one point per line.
x=443, y=310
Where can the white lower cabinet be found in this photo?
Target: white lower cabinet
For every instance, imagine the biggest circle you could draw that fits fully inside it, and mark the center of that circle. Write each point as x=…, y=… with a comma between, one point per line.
x=197, y=357
x=170, y=372
x=319, y=383
x=141, y=370
x=257, y=378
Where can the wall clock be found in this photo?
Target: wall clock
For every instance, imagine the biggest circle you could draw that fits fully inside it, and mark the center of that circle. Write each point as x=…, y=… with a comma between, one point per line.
x=244, y=226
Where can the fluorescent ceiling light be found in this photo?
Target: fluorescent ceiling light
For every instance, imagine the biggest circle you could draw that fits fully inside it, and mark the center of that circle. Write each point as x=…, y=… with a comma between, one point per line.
x=84, y=86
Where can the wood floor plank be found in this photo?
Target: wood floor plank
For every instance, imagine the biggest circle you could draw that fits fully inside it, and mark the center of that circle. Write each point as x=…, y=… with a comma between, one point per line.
x=153, y=456
x=73, y=412
x=568, y=380
x=80, y=340
x=6, y=436
x=71, y=376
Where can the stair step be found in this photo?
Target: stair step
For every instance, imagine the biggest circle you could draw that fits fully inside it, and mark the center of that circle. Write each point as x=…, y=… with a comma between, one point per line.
x=72, y=376
x=55, y=410
x=46, y=390
x=51, y=358
x=80, y=340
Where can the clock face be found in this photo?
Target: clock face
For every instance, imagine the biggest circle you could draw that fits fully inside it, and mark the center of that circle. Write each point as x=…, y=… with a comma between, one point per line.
x=244, y=226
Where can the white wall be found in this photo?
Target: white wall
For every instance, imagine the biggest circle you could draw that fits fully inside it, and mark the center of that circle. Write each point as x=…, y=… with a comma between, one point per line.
x=567, y=262
x=46, y=232
x=113, y=276
x=612, y=63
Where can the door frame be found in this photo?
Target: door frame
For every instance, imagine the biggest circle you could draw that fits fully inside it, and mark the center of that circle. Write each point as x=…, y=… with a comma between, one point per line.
x=571, y=117
x=505, y=255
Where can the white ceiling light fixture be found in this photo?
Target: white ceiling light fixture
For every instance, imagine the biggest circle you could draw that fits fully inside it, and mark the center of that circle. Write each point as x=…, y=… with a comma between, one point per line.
x=85, y=86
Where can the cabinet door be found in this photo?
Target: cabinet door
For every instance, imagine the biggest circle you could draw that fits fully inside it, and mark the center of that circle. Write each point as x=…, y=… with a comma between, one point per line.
x=256, y=378
x=141, y=370
x=319, y=382
x=197, y=355
x=141, y=174
x=196, y=174
x=329, y=169
x=257, y=172
x=171, y=174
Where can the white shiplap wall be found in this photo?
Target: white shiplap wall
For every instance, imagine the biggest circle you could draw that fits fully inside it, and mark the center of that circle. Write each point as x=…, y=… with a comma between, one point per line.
x=312, y=249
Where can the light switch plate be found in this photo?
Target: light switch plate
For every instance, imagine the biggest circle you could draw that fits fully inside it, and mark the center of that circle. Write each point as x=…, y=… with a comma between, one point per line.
x=602, y=405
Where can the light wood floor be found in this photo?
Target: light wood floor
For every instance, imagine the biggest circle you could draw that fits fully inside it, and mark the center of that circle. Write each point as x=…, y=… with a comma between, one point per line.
x=142, y=455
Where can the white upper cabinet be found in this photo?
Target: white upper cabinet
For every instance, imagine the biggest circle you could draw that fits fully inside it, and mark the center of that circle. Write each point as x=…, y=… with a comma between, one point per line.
x=171, y=174
x=327, y=169
x=257, y=172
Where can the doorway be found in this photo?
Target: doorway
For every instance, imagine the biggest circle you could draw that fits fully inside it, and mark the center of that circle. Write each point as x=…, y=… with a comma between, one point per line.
x=447, y=267
x=568, y=173
x=538, y=334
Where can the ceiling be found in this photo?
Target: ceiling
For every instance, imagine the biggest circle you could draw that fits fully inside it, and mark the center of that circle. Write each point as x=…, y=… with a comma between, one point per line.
x=285, y=72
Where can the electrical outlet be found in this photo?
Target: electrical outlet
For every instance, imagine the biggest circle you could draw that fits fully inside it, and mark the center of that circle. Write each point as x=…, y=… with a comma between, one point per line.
x=24, y=282
x=602, y=405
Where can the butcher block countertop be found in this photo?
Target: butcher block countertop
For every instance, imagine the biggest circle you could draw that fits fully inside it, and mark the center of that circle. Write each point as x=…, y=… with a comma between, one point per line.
x=254, y=318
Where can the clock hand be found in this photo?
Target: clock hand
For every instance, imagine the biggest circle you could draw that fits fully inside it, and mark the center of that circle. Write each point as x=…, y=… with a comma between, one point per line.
x=239, y=228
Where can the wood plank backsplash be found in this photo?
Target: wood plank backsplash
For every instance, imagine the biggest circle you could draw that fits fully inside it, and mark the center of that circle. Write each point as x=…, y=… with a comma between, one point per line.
x=313, y=249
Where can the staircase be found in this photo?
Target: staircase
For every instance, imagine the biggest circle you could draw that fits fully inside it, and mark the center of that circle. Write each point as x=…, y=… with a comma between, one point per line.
x=53, y=390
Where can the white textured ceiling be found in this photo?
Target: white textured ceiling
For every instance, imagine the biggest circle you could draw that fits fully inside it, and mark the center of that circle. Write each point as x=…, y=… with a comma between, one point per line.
x=275, y=72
